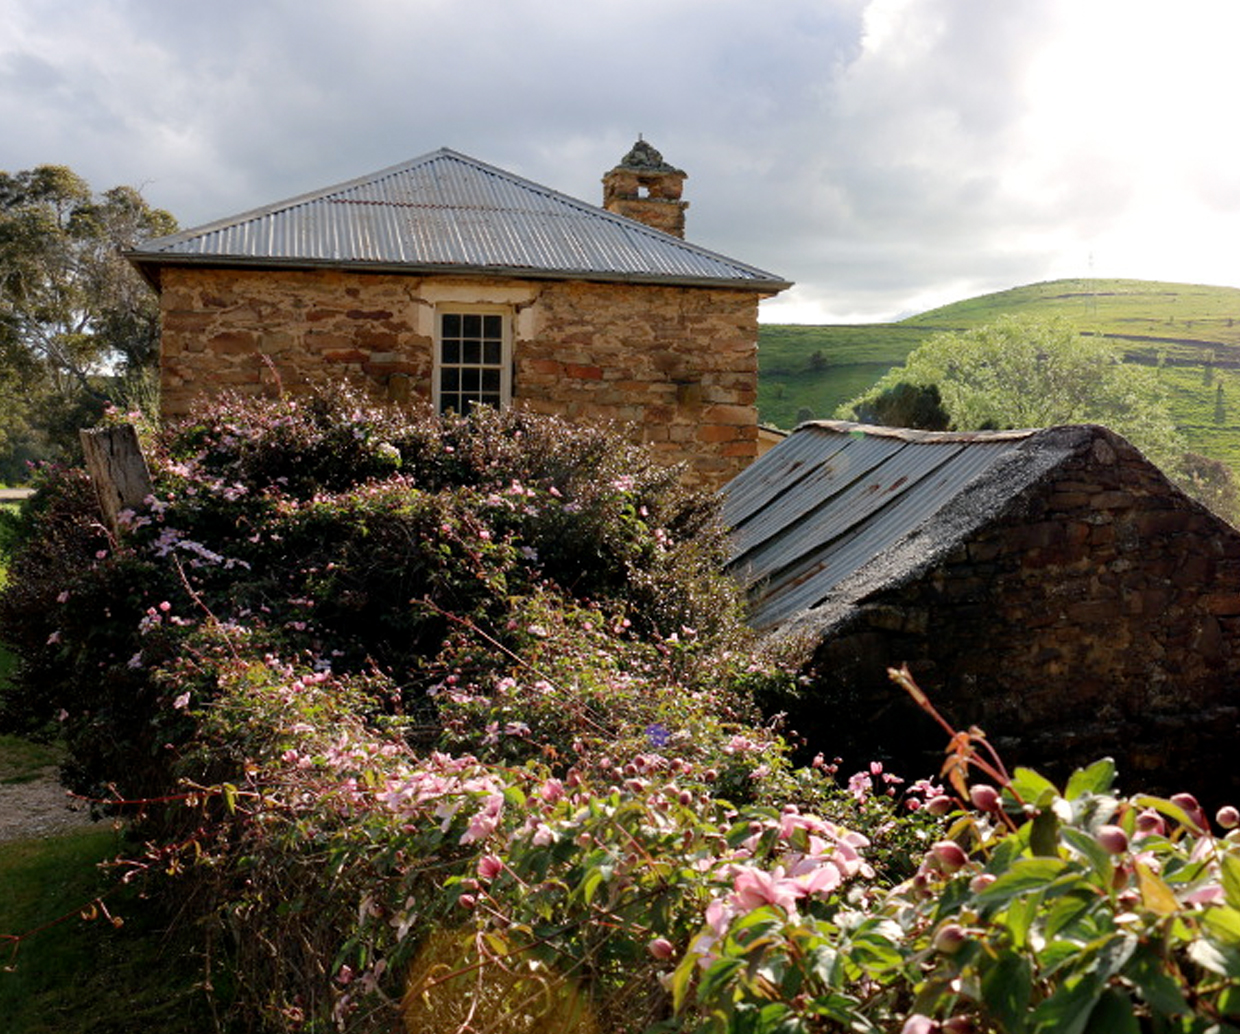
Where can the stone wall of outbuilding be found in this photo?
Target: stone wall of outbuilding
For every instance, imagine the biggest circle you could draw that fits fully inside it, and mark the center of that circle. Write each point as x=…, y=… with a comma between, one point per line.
x=1099, y=616
x=679, y=364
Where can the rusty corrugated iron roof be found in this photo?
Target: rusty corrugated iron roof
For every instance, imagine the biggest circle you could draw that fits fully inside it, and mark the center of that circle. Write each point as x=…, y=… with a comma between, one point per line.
x=838, y=509
x=447, y=212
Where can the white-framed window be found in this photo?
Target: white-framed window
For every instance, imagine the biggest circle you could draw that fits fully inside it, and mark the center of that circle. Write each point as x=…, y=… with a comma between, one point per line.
x=473, y=358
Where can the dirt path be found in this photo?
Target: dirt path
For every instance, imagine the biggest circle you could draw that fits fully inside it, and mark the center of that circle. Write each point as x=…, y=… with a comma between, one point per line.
x=38, y=808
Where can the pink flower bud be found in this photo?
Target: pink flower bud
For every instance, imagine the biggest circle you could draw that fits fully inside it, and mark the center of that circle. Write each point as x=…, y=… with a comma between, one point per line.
x=950, y=938
x=467, y=901
x=1228, y=817
x=919, y=1024
x=984, y=797
x=1150, y=822
x=685, y=798
x=1113, y=839
x=661, y=948
x=949, y=855
x=981, y=881
x=1191, y=808
x=940, y=805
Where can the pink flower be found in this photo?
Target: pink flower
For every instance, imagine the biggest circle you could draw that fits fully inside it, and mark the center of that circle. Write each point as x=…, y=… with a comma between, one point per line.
x=752, y=888
x=919, y=1024
x=490, y=866
x=485, y=821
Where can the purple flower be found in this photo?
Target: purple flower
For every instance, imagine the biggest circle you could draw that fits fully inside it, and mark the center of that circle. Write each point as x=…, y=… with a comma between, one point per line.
x=658, y=735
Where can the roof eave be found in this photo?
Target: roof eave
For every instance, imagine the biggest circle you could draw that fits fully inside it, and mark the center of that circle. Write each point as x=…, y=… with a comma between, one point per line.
x=149, y=264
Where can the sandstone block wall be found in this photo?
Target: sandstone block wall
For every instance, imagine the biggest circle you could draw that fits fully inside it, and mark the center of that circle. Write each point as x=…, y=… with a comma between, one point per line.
x=677, y=364
x=1099, y=617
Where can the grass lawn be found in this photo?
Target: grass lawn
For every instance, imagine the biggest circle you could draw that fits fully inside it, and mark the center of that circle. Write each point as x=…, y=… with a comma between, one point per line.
x=72, y=976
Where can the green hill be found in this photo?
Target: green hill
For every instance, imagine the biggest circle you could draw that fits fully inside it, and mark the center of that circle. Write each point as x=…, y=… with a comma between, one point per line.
x=1191, y=333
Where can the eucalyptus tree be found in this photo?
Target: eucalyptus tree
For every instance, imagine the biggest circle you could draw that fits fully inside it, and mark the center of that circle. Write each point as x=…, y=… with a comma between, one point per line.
x=76, y=321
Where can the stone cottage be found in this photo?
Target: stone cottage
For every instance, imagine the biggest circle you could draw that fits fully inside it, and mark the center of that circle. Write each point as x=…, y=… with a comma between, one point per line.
x=452, y=281
x=1049, y=586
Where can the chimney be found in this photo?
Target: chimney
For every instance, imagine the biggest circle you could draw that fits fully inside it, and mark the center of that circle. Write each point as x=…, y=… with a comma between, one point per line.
x=644, y=187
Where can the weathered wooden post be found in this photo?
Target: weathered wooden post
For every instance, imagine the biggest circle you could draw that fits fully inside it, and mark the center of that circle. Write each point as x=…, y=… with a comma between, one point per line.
x=117, y=468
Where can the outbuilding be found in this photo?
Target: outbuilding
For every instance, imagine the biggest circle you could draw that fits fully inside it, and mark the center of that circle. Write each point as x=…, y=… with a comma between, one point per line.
x=1051, y=587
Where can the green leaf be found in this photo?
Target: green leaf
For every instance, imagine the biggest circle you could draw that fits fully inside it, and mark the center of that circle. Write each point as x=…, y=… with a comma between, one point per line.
x=1044, y=834
x=1068, y=1009
x=1223, y=922
x=1113, y=1014
x=1155, y=894
x=718, y=975
x=230, y=797
x=682, y=977
x=1229, y=1001
x=1020, y=917
x=1094, y=853
x=1033, y=788
x=593, y=880
x=1097, y=778
x=1159, y=990
x=824, y=965
x=1067, y=911
x=1006, y=987
x=1231, y=878
x=1025, y=876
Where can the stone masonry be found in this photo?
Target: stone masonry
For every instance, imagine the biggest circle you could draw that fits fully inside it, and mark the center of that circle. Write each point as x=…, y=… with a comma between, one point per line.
x=678, y=364
x=1098, y=615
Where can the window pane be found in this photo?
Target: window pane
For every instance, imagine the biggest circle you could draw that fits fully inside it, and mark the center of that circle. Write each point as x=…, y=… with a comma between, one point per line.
x=451, y=351
x=490, y=381
x=471, y=381
x=493, y=326
x=451, y=326
x=451, y=380
x=471, y=352
x=492, y=353
x=472, y=324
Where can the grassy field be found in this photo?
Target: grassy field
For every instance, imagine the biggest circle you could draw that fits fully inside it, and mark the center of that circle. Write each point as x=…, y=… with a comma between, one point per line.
x=1190, y=333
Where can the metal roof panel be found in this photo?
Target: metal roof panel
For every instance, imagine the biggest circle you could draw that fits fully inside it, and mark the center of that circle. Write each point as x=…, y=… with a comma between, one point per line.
x=834, y=496
x=445, y=211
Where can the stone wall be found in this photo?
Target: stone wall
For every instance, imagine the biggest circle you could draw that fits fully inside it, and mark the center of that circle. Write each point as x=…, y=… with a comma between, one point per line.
x=678, y=364
x=1099, y=616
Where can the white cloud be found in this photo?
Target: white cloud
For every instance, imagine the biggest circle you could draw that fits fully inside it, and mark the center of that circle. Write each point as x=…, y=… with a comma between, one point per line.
x=888, y=155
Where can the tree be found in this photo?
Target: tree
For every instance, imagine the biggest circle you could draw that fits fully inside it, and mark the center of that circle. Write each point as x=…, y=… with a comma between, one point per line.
x=77, y=325
x=1037, y=373
x=906, y=405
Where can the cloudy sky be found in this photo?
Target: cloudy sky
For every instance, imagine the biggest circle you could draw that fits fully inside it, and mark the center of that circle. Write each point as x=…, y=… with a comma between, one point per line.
x=887, y=155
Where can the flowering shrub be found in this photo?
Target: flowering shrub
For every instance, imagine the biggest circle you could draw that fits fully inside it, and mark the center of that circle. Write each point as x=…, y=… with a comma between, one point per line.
x=355, y=536
x=455, y=725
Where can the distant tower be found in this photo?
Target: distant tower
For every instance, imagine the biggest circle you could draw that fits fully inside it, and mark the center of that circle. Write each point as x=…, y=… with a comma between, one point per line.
x=644, y=187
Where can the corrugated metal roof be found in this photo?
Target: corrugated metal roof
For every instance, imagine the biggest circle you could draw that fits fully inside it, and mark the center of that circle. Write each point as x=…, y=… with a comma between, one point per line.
x=446, y=212
x=834, y=498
